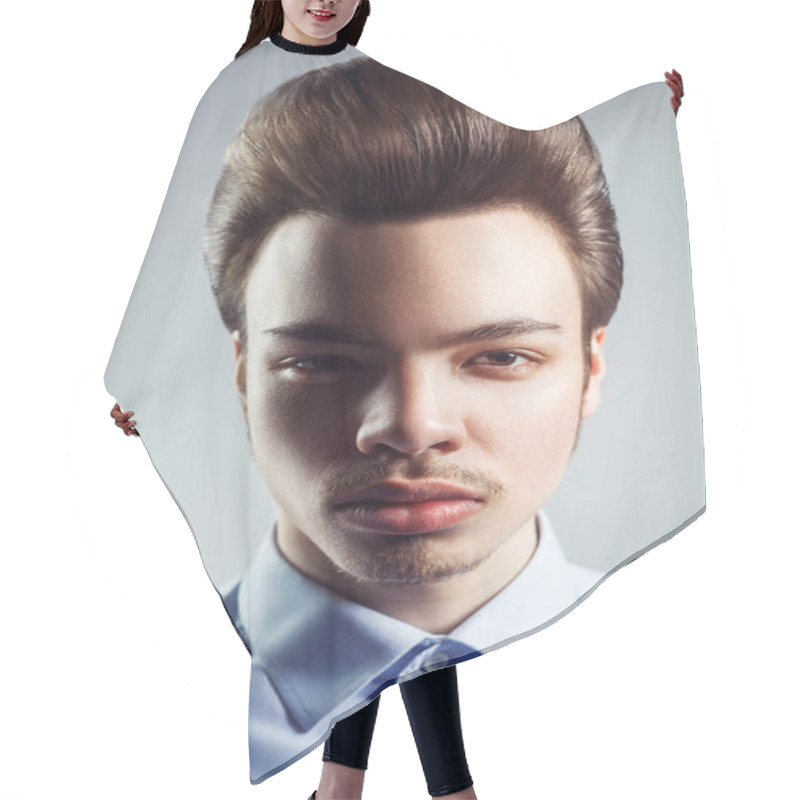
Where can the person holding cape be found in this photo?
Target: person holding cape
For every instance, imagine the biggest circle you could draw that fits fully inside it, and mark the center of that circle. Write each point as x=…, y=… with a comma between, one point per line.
x=431, y=699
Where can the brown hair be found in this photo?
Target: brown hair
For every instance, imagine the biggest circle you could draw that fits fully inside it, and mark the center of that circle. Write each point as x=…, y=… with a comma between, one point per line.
x=403, y=150
x=266, y=18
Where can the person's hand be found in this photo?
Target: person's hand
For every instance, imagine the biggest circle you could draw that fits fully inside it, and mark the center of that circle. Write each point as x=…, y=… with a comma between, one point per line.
x=122, y=419
x=675, y=82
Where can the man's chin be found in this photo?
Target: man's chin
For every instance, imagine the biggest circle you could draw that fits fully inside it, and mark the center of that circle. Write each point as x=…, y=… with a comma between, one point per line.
x=407, y=560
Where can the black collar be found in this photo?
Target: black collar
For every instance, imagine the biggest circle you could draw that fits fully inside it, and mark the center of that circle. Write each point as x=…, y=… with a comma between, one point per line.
x=308, y=49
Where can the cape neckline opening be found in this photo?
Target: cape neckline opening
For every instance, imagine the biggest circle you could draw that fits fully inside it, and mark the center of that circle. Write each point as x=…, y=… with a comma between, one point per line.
x=308, y=49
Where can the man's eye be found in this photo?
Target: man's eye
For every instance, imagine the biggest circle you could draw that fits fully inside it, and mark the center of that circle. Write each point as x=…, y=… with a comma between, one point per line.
x=503, y=358
x=313, y=365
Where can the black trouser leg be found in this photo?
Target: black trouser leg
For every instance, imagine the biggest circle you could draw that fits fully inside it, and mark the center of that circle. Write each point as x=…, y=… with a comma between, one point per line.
x=351, y=737
x=433, y=711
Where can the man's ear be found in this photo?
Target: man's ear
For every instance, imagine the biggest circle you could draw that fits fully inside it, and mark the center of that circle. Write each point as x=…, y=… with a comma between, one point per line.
x=240, y=371
x=597, y=369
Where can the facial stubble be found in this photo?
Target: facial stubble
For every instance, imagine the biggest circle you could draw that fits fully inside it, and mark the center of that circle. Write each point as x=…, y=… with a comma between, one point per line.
x=423, y=558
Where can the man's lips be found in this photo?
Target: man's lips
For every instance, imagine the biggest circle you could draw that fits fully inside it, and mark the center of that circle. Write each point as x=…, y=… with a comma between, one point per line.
x=409, y=508
x=409, y=492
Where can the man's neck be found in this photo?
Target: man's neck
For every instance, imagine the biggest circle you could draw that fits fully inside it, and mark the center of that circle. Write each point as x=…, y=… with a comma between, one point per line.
x=437, y=607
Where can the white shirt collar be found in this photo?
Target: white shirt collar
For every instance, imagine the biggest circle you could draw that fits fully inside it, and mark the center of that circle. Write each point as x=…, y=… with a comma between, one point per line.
x=320, y=650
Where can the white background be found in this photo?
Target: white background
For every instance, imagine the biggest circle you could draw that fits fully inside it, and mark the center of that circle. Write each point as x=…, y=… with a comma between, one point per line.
x=121, y=676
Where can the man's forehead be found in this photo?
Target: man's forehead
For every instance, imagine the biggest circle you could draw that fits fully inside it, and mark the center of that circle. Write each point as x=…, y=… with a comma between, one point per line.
x=510, y=239
x=448, y=279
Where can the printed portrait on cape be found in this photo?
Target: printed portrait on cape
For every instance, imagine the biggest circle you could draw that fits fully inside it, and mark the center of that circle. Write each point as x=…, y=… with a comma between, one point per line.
x=418, y=380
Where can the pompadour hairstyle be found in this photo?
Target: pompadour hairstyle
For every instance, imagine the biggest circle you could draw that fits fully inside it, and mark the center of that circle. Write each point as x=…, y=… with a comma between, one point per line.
x=359, y=141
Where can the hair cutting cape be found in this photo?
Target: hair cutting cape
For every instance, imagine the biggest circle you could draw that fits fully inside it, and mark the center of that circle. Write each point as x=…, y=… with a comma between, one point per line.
x=336, y=208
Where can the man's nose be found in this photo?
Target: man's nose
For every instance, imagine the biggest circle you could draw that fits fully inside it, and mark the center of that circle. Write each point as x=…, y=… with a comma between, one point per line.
x=409, y=412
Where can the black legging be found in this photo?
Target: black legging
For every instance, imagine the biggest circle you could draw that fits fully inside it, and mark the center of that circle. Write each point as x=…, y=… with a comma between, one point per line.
x=431, y=702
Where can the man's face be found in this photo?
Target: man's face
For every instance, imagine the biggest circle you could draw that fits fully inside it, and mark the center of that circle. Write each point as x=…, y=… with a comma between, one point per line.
x=403, y=353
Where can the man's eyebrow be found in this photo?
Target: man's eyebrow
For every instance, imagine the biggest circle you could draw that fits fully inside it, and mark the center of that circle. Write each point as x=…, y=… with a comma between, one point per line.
x=319, y=332
x=502, y=329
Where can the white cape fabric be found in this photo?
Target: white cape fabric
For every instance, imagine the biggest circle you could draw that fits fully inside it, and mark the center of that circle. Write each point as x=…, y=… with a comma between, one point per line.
x=634, y=480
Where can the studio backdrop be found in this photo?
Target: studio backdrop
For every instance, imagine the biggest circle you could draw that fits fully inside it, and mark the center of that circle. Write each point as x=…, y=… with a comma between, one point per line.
x=418, y=380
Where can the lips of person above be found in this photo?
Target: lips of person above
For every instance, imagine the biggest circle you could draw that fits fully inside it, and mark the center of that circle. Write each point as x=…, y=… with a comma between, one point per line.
x=321, y=16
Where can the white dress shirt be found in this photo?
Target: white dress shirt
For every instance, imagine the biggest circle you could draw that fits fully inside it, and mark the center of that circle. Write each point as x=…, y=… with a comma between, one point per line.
x=317, y=658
